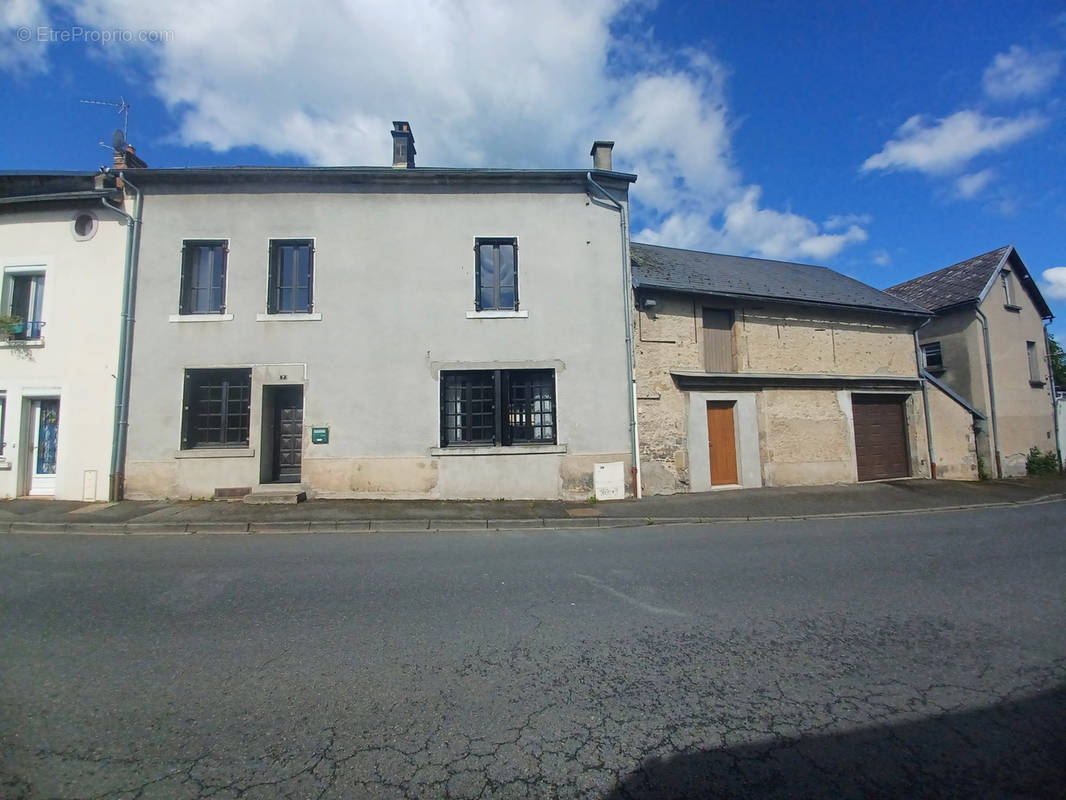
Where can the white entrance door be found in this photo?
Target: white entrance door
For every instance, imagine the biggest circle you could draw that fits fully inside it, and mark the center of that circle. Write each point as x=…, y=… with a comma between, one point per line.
x=44, y=417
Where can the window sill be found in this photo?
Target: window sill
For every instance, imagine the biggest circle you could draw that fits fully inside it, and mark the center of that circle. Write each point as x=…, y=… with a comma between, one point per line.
x=1012, y=307
x=13, y=343
x=497, y=315
x=216, y=452
x=510, y=450
x=283, y=317
x=200, y=317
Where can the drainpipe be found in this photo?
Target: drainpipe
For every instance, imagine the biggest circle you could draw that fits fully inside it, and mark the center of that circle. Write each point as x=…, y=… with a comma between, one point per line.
x=117, y=483
x=627, y=289
x=1054, y=390
x=991, y=392
x=925, y=400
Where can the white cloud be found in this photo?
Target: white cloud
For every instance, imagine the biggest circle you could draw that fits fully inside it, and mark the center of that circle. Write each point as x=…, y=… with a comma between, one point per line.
x=1018, y=73
x=838, y=221
x=483, y=83
x=969, y=186
x=1055, y=280
x=882, y=258
x=947, y=144
x=21, y=52
x=747, y=227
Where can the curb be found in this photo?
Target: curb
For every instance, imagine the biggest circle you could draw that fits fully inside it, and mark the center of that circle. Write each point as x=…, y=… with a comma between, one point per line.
x=457, y=525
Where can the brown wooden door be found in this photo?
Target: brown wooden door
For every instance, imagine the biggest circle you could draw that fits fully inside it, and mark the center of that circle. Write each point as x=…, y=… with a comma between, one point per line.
x=880, y=437
x=722, y=444
x=717, y=340
x=288, y=433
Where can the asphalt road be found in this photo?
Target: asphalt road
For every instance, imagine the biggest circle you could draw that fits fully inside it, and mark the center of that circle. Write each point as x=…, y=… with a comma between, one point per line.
x=919, y=656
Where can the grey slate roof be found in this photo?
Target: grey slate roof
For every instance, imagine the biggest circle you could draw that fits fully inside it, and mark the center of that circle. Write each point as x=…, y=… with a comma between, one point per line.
x=960, y=283
x=740, y=277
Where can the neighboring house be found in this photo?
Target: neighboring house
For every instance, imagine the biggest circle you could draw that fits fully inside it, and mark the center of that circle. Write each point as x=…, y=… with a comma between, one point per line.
x=380, y=332
x=61, y=263
x=765, y=373
x=988, y=343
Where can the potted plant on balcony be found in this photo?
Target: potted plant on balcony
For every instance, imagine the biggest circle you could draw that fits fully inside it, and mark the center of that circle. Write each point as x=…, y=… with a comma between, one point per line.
x=11, y=326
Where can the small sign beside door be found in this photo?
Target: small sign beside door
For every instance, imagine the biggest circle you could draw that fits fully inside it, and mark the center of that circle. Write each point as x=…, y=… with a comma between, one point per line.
x=319, y=435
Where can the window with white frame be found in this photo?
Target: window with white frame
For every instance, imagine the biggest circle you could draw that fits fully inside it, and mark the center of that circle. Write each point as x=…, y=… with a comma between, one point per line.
x=291, y=276
x=23, y=302
x=203, y=277
x=496, y=274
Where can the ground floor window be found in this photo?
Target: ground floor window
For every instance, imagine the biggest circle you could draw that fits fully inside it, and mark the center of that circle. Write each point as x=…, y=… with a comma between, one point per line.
x=216, y=411
x=497, y=407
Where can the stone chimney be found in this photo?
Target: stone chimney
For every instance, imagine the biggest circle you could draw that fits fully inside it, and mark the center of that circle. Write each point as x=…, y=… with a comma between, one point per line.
x=127, y=158
x=601, y=155
x=403, y=145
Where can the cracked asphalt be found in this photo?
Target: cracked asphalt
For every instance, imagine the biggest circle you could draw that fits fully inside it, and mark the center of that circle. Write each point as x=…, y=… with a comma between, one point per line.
x=918, y=656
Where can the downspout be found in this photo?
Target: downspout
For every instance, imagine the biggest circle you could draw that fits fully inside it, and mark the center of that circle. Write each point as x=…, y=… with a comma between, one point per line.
x=925, y=400
x=116, y=489
x=1054, y=390
x=991, y=392
x=627, y=293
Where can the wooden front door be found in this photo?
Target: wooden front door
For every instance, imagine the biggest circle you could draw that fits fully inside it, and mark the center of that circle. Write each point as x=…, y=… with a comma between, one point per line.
x=288, y=433
x=722, y=443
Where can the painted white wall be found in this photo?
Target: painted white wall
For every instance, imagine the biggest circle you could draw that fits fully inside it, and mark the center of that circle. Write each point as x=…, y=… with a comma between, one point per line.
x=76, y=359
x=393, y=285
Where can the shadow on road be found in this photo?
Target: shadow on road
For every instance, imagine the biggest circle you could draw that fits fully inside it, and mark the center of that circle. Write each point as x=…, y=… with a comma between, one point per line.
x=1014, y=749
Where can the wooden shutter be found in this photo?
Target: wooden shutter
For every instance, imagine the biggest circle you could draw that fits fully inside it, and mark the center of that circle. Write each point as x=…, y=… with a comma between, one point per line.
x=718, y=340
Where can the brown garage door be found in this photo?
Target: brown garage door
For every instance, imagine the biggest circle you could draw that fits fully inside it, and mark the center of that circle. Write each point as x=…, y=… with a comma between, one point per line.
x=880, y=436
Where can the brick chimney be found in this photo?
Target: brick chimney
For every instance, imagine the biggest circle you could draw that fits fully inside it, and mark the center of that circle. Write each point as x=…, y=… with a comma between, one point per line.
x=601, y=155
x=127, y=158
x=403, y=145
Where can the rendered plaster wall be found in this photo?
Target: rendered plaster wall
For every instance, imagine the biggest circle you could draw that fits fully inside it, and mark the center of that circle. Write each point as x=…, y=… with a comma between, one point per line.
x=75, y=361
x=1024, y=408
x=954, y=443
x=394, y=306
x=805, y=436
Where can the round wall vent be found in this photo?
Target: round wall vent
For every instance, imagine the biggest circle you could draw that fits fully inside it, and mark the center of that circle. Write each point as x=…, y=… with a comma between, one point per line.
x=83, y=226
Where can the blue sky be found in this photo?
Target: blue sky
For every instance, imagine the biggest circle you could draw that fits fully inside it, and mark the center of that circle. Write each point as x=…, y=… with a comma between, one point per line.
x=882, y=139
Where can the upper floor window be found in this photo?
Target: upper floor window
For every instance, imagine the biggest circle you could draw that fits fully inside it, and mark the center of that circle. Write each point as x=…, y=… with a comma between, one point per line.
x=291, y=276
x=498, y=407
x=718, y=340
x=216, y=408
x=1034, y=363
x=1008, y=293
x=203, y=277
x=496, y=270
x=23, y=302
x=932, y=357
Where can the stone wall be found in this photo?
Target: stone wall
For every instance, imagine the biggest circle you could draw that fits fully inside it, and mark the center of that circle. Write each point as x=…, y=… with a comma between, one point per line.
x=805, y=436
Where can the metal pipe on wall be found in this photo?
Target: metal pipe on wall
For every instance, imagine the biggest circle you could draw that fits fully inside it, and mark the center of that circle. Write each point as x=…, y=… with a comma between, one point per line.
x=116, y=489
x=627, y=289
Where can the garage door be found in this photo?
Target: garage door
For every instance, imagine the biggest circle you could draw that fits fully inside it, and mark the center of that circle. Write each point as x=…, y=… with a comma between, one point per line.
x=880, y=436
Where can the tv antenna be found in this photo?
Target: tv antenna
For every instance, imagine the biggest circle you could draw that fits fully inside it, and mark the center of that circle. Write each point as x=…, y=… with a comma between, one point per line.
x=123, y=109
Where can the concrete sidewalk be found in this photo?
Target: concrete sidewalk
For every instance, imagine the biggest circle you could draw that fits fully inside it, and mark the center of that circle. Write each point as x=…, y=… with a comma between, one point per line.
x=27, y=515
